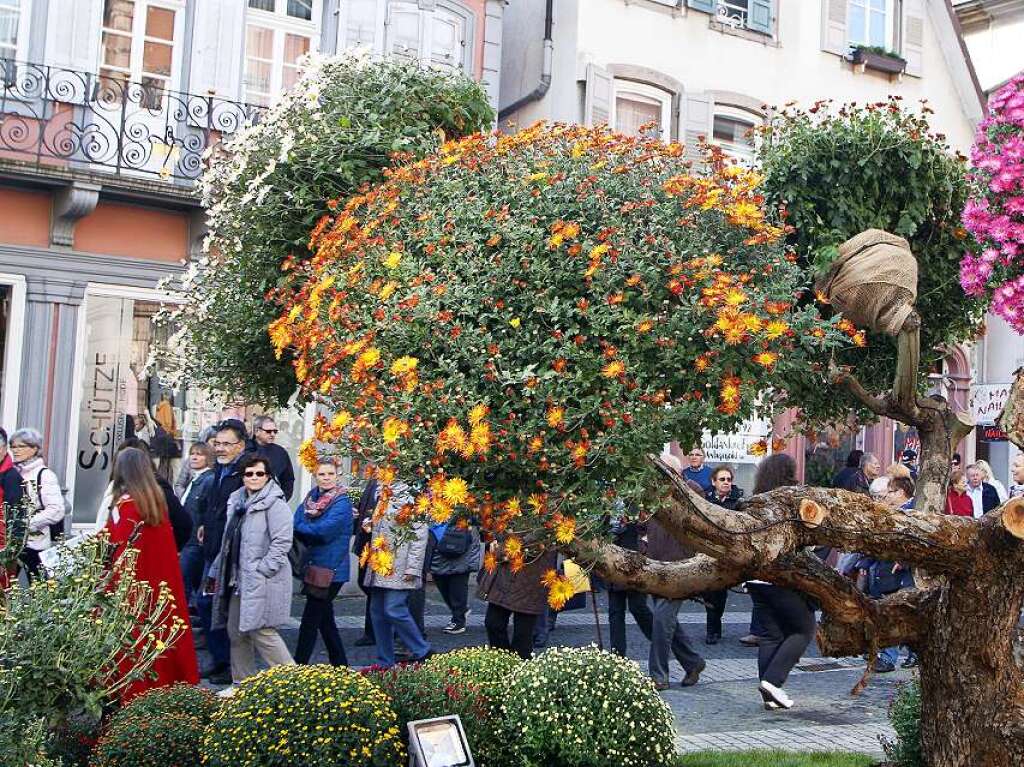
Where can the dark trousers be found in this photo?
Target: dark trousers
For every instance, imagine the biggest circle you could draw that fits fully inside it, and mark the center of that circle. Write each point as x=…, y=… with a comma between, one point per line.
x=29, y=559
x=715, y=608
x=455, y=593
x=217, y=642
x=418, y=606
x=367, y=620
x=191, y=560
x=318, y=616
x=788, y=621
x=496, y=622
x=637, y=603
x=543, y=626
x=756, y=616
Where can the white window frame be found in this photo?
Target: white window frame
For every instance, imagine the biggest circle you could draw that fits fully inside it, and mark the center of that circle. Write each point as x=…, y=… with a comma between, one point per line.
x=24, y=18
x=135, y=72
x=891, y=25
x=15, y=345
x=427, y=11
x=280, y=24
x=740, y=152
x=626, y=88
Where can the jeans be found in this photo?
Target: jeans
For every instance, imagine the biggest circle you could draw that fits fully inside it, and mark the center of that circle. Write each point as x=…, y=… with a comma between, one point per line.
x=637, y=603
x=418, y=607
x=191, y=560
x=318, y=616
x=217, y=642
x=389, y=609
x=245, y=644
x=715, y=608
x=496, y=622
x=543, y=626
x=788, y=621
x=666, y=633
x=455, y=593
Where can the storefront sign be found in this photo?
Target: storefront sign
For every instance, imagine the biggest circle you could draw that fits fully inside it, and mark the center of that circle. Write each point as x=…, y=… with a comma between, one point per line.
x=992, y=434
x=735, y=447
x=988, y=401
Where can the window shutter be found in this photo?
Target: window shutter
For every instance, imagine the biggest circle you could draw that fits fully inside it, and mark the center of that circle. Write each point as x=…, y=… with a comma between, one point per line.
x=73, y=34
x=217, y=41
x=708, y=6
x=760, y=16
x=597, y=106
x=833, y=27
x=697, y=115
x=913, y=35
x=360, y=24
x=403, y=35
x=447, y=40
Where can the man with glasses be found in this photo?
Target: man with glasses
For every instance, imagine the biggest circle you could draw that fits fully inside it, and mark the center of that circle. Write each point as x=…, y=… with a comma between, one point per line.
x=697, y=471
x=722, y=493
x=264, y=436
x=229, y=445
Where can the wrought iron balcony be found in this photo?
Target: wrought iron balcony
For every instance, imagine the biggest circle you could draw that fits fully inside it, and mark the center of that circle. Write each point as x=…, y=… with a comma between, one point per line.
x=51, y=117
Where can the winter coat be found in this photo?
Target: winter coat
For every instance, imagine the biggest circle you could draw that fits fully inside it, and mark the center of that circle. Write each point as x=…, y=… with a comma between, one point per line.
x=198, y=488
x=731, y=501
x=45, y=499
x=264, y=576
x=855, y=481
x=520, y=592
x=227, y=480
x=662, y=546
x=327, y=535
x=181, y=522
x=410, y=556
x=280, y=465
x=468, y=562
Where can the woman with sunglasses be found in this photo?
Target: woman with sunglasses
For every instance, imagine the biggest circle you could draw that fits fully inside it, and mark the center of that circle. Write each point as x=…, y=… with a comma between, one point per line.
x=252, y=580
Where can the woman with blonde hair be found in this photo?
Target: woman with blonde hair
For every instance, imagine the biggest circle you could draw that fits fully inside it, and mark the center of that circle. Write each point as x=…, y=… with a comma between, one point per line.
x=138, y=520
x=988, y=476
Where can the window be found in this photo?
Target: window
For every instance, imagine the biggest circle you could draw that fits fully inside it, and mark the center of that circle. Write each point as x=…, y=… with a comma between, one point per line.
x=138, y=44
x=278, y=33
x=433, y=35
x=870, y=22
x=13, y=28
x=733, y=131
x=637, y=105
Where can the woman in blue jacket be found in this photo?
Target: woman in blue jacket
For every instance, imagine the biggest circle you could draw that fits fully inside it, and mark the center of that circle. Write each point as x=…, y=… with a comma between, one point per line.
x=324, y=523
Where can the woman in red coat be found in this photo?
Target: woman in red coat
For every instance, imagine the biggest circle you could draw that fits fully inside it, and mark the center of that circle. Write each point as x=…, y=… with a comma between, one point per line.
x=139, y=519
x=957, y=500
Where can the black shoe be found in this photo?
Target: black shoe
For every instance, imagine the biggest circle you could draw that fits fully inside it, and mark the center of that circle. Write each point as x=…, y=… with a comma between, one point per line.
x=911, y=661
x=365, y=641
x=882, y=666
x=712, y=638
x=750, y=640
x=213, y=669
x=221, y=675
x=692, y=676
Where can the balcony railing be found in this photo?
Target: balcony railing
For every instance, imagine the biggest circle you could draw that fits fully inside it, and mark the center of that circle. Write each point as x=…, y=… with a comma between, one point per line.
x=53, y=117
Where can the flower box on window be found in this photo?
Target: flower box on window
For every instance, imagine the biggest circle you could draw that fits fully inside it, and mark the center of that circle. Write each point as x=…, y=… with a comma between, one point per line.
x=879, y=59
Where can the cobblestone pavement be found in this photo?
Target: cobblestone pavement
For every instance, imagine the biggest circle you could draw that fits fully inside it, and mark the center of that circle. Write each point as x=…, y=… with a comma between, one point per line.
x=724, y=710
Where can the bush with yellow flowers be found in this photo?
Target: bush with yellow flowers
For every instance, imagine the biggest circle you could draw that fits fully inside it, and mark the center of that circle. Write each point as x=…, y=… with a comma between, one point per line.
x=517, y=321
x=582, y=707
x=163, y=727
x=305, y=715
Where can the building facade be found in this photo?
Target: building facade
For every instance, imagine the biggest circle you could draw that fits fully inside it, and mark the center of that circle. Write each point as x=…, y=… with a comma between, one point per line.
x=106, y=110
x=707, y=68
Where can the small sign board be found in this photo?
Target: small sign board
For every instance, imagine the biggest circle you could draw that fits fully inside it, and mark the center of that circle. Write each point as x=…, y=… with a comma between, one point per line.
x=988, y=401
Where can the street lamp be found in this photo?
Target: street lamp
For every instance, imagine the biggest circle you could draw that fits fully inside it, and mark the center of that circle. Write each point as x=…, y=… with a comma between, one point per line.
x=439, y=742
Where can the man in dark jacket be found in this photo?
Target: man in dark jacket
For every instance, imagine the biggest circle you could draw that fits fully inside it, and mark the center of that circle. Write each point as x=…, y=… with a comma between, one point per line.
x=845, y=475
x=229, y=447
x=860, y=480
x=983, y=496
x=264, y=434
x=360, y=538
x=722, y=493
x=628, y=535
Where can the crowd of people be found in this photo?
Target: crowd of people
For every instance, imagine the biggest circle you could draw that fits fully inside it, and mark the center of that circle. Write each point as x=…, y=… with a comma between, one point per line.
x=227, y=541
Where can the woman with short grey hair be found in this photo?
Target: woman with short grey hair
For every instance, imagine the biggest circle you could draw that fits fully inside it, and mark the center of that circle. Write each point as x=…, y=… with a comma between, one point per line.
x=45, y=498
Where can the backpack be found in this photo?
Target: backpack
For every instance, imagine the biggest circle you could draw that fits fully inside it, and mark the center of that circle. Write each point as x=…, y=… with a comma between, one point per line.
x=57, y=528
x=454, y=543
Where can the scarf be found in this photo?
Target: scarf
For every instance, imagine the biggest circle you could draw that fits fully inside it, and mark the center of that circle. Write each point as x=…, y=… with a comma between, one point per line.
x=315, y=507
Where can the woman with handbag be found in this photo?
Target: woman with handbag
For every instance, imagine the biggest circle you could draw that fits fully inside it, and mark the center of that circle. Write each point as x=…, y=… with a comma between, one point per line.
x=324, y=523
x=455, y=556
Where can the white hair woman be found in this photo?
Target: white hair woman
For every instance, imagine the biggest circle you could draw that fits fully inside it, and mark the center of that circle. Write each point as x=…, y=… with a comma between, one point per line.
x=988, y=476
x=46, y=501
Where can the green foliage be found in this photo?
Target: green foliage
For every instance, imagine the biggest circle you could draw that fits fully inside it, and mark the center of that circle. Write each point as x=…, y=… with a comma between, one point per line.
x=841, y=172
x=71, y=743
x=487, y=667
x=334, y=131
x=905, y=717
x=770, y=758
x=164, y=727
x=878, y=50
x=580, y=707
x=311, y=716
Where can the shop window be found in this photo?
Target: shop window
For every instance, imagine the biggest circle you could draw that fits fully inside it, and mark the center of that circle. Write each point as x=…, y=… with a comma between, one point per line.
x=14, y=15
x=641, y=109
x=139, y=41
x=277, y=34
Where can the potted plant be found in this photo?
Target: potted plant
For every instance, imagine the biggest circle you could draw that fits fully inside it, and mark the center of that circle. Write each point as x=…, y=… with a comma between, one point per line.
x=878, y=58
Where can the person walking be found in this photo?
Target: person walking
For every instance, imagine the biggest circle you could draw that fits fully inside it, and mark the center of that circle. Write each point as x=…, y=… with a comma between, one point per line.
x=666, y=633
x=264, y=436
x=627, y=535
x=456, y=554
x=138, y=520
x=360, y=539
x=193, y=497
x=516, y=597
x=786, y=617
x=723, y=493
x=984, y=497
x=46, y=501
x=958, y=502
x=252, y=591
x=389, y=594
x=323, y=521
x=228, y=448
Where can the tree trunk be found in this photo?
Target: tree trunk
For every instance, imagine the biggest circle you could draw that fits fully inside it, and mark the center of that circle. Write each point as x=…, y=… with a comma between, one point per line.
x=972, y=690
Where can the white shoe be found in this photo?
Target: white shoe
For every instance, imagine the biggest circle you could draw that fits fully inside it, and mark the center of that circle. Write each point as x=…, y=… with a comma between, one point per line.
x=227, y=692
x=777, y=694
x=769, y=704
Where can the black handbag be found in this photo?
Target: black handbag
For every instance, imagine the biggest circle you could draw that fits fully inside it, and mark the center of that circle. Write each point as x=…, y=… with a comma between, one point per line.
x=298, y=558
x=454, y=543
